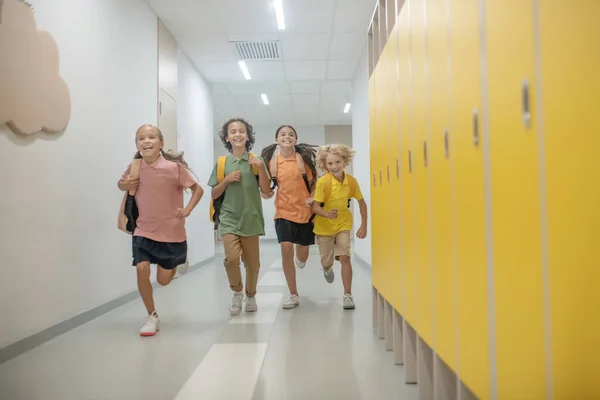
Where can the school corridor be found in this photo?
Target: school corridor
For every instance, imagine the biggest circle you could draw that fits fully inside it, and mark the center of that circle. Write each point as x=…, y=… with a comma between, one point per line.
x=471, y=132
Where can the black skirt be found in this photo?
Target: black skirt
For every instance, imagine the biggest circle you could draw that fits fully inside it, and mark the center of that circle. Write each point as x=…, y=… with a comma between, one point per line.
x=293, y=232
x=165, y=255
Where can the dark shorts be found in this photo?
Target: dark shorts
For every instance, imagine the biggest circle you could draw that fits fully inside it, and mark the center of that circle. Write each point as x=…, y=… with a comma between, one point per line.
x=288, y=231
x=167, y=255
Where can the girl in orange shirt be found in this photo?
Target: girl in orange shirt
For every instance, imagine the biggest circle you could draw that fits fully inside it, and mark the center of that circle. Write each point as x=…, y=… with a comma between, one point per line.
x=294, y=173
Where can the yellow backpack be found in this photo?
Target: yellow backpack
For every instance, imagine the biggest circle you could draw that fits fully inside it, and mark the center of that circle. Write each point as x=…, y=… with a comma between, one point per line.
x=215, y=204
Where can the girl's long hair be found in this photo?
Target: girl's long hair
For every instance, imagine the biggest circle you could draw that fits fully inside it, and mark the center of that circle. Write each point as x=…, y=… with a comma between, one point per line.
x=307, y=151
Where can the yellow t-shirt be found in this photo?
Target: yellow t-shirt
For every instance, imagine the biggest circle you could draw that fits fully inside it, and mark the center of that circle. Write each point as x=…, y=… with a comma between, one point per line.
x=338, y=199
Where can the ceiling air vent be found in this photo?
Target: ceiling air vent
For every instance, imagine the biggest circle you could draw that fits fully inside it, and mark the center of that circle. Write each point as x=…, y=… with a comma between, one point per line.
x=263, y=50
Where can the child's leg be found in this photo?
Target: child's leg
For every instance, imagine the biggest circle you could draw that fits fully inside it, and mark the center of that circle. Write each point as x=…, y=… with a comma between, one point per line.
x=144, y=285
x=165, y=276
x=287, y=255
x=233, y=253
x=301, y=253
x=326, y=249
x=251, y=251
x=342, y=251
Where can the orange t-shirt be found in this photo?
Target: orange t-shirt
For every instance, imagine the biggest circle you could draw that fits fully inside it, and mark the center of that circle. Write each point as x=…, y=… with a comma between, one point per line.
x=290, y=201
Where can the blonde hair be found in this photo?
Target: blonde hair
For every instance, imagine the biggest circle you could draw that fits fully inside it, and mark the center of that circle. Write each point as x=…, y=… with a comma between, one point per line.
x=168, y=155
x=341, y=150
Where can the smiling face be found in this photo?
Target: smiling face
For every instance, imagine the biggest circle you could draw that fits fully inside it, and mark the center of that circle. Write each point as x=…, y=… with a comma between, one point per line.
x=286, y=137
x=335, y=164
x=237, y=135
x=149, y=142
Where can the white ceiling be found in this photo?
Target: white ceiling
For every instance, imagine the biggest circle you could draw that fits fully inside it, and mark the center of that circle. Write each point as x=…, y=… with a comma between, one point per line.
x=321, y=49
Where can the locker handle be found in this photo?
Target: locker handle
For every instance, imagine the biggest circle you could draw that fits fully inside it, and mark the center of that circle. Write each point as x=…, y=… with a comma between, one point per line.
x=409, y=162
x=476, y=127
x=374, y=179
x=446, y=144
x=425, y=154
x=388, y=172
x=380, y=177
x=525, y=101
x=397, y=168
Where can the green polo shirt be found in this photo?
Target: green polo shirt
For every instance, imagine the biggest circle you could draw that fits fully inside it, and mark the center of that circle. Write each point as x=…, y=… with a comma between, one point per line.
x=241, y=211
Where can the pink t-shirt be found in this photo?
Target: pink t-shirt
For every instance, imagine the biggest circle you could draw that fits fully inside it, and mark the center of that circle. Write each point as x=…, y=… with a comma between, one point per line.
x=158, y=197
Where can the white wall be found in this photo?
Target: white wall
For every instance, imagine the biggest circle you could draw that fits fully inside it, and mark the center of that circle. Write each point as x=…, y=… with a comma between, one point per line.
x=360, y=140
x=61, y=252
x=265, y=135
x=195, y=123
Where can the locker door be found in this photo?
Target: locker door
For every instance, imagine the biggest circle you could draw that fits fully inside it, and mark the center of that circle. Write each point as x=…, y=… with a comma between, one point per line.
x=570, y=68
x=373, y=157
x=406, y=176
x=471, y=254
x=376, y=207
x=422, y=205
x=514, y=163
x=390, y=179
x=395, y=193
x=440, y=170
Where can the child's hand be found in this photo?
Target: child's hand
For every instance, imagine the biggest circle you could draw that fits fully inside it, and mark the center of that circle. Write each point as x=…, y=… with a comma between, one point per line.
x=267, y=195
x=361, y=233
x=235, y=176
x=309, y=202
x=332, y=214
x=130, y=183
x=182, y=213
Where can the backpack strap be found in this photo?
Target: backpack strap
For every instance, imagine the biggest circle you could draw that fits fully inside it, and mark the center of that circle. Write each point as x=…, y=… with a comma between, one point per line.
x=273, y=170
x=221, y=168
x=134, y=172
x=254, y=168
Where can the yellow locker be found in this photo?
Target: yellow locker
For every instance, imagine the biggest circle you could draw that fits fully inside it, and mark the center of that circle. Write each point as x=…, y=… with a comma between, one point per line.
x=407, y=211
x=468, y=161
x=422, y=205
x=376, y=195
x=440, y=170
x=373, y=152
x=381, y=163
x=394, y=146
x=570, y=80
x=392, y=176
x=515, y=200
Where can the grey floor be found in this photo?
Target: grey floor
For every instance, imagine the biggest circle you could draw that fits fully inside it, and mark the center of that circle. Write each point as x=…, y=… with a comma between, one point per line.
x=316, y=351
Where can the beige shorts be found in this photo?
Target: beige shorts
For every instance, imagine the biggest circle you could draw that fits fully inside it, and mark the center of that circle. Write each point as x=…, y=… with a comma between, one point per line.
x=333, y=246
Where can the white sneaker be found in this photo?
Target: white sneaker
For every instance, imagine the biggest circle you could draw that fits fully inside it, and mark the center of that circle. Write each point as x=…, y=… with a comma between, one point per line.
x=299, y=263
x=348, y=302
x=151, y=326
x=251, y=305
x=292, y=302
x=329, y=274
x=236, y=306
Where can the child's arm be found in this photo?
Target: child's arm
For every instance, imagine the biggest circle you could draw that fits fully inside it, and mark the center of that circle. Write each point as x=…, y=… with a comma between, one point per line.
x=126, y=182
x=361, y=233
x=317, y=209
x=219, y=189
x=197, y=193
x=264, y=180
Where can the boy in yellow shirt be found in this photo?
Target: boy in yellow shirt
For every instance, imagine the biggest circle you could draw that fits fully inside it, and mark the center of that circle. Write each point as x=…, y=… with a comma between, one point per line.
x=333, y=221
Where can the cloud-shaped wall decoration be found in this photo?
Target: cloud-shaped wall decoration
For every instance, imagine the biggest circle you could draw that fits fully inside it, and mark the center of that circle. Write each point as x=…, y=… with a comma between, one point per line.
x=33, y=96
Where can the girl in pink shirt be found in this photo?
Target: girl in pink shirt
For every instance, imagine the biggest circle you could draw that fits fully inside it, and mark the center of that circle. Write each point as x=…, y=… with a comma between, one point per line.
x=159, y=235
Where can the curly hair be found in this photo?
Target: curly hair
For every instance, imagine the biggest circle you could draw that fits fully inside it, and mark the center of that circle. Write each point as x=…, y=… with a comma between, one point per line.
x=307, y=151
x=249, y=133
x=341, y=150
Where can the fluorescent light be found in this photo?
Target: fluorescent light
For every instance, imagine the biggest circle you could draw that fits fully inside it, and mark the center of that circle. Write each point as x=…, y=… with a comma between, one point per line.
x=264, y=99
x=347, y=108
x=278, y=6
x=244, y=70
